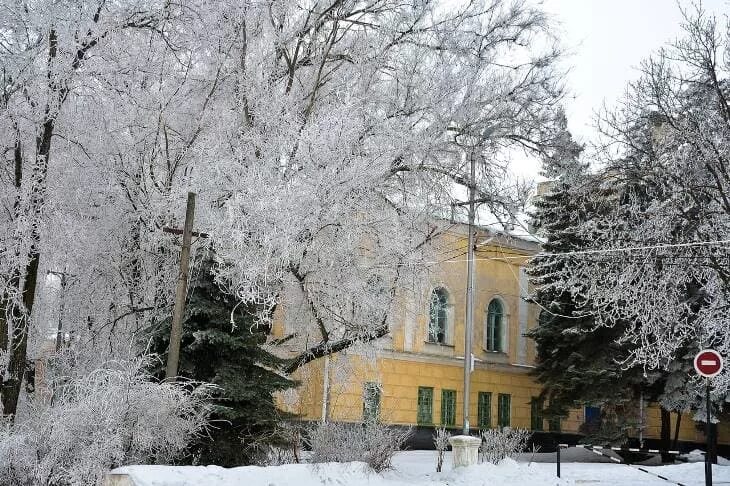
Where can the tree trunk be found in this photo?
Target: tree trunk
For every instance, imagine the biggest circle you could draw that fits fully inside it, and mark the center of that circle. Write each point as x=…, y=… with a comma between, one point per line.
x=665, y=434
x=17, y=322
x=20, y=318
x=4, y=303
x=8, y=313
x=676, y=431
x=10, y=389
x=3, y=325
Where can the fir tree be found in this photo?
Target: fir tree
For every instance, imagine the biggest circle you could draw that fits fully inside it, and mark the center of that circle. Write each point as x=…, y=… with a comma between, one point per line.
x=221, y=344
x=578, y=362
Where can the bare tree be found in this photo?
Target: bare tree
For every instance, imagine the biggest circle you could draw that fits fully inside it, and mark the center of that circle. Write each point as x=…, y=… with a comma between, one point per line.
x=322, y=138
x=349, y=133
x=441, y=442
x=666, y=193
x=47, y=58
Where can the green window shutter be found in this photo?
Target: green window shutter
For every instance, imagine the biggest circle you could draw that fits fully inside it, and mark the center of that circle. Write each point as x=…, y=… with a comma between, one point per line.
x=536, y=413
x=448, y=407
x=503, y=404
x=424, y=414
x=370, y=402
x=484, y=410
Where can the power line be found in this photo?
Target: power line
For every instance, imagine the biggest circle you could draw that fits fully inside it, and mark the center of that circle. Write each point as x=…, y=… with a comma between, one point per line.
x=525, y=292
x=519, y=256
x=605, y=251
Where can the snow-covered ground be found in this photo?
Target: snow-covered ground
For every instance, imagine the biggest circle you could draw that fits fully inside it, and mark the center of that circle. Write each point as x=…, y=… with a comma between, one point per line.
x=418, y=468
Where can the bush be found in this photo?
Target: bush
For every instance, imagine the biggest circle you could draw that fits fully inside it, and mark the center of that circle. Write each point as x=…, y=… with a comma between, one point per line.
x=112, y=417
x=441, y=442
x=270, y=455
x=370, y=442
x=283, y=445
x=498, y=444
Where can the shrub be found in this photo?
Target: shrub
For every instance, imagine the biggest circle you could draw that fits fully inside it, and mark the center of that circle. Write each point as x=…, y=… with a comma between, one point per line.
x=111, y=417
x=498, y=444
x=270, y=455
x=283, y=445
x=441, y=442
x=371, y=442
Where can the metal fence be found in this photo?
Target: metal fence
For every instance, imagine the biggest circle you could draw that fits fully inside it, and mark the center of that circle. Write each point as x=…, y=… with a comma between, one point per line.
x=599, y=450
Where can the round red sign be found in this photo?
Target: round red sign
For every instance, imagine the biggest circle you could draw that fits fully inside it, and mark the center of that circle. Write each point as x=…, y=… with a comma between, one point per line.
x=708, y=363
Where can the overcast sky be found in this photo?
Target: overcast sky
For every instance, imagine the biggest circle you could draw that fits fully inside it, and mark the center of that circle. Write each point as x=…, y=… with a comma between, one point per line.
x=607, y=40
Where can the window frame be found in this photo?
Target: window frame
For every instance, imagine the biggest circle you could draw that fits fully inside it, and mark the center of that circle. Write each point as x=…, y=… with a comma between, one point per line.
x=555, y=424
x=504, y=413
x=494, y=331
x=484, y=404
x=448, y=413
x=438, y=333
x=420, y=415
x=537, y=420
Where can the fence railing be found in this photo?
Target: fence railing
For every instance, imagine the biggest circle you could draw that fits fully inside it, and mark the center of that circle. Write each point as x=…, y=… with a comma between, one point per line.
x=599, y=450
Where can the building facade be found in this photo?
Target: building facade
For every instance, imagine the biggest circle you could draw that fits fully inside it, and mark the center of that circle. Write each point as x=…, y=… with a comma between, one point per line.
x=415, y=375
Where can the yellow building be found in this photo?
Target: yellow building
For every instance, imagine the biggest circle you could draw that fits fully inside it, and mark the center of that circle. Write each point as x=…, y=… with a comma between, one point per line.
x=415, y=376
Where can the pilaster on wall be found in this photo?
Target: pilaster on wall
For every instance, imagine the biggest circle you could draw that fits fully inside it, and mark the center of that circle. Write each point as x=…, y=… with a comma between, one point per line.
x=522, y=315
x=410, y=325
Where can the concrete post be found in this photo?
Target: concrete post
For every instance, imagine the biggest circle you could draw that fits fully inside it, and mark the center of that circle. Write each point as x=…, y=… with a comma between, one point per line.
x=465, y=450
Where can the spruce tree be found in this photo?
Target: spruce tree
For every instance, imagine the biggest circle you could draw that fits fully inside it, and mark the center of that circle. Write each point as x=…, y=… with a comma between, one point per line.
x=221, y=344
x=578, y=363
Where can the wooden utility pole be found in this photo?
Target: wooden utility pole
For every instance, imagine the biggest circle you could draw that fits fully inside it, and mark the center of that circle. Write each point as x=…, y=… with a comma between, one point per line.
x=173, y=355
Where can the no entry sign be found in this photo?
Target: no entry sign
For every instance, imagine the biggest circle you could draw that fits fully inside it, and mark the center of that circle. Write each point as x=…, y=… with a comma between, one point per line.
x=708, y=363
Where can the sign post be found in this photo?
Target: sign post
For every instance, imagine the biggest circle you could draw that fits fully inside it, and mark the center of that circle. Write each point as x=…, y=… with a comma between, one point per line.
x=708, y=363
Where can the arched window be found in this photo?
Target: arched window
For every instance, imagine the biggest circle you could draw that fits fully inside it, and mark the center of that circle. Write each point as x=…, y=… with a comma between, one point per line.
x=495, y=326
x=438, y=316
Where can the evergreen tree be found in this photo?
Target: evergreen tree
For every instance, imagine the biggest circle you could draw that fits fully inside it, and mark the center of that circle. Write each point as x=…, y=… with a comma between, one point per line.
x=578, y=362
x=222, y=345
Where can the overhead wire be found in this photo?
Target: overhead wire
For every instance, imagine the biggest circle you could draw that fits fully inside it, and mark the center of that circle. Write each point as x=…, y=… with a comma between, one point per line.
x=525, y=292
x=512, y=255
x=641, y=258
x=603, y=251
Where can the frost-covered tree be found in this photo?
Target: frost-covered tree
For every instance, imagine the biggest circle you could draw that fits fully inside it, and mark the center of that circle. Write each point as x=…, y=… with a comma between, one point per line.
x=320, y=136
x=346, y=128
x=122, y=90
x=52, y=57
x=669, y=172
x=578, y=362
